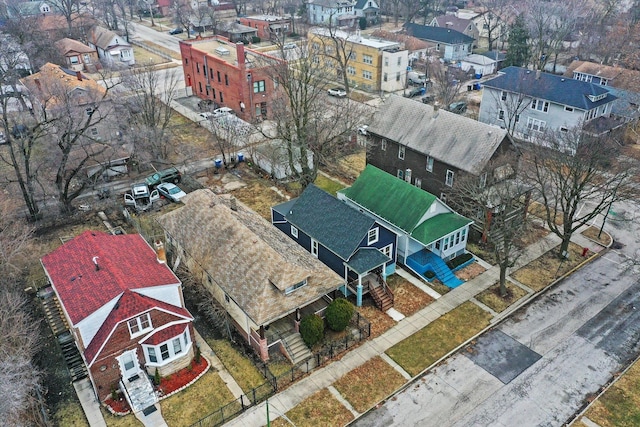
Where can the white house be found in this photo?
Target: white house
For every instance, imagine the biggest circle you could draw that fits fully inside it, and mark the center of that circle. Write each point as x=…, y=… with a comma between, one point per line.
x=112, y=49
x=480, y=63
x=332, y=12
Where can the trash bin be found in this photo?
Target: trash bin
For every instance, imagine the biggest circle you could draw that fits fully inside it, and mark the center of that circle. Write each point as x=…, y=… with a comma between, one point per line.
x=240, y=157
x=477, y=86
x=478, y=76
x=218, y=163
x=469, y=88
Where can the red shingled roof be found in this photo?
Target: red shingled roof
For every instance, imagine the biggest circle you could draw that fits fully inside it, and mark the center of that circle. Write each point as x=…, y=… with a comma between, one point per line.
x=130, y=305
x=165, y=334
x=126, y=262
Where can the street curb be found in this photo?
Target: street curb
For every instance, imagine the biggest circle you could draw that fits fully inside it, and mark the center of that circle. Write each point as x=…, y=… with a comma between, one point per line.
x=502, y=317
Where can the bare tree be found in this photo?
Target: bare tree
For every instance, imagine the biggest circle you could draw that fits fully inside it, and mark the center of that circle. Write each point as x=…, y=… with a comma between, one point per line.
x=497, y=200
x=181, y=11
x=230, y=135
x=205, y=16
x=149, y=100
x=67, y=8
x=338, y=46
x=578, y=176
x=493, y=25
x=446, y=81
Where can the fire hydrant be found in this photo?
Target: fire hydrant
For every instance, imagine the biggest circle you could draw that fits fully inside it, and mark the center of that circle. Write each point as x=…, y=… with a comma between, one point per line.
x=584, y=251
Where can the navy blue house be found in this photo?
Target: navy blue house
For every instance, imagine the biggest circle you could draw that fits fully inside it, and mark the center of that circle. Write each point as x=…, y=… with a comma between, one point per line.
x=352, y=244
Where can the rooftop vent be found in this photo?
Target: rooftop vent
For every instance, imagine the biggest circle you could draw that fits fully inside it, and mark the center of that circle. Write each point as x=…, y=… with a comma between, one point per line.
x=222, y=51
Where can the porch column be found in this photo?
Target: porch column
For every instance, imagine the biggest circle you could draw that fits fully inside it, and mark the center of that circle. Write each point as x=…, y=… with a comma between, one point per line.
x=296, y=322
x=359, y=294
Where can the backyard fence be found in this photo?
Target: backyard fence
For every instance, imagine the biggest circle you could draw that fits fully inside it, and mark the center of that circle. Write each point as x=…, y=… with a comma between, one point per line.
x=359, y=329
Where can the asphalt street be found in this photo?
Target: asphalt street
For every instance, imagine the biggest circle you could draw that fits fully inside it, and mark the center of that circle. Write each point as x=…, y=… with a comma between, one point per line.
x=538, y=367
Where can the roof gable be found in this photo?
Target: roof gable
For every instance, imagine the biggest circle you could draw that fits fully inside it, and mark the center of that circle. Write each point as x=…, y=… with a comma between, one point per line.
x=105, y=39
x=459, y=141
x=130, y=305
x=329, y=221
x=557, y=89
x=437, y=34
x=67, y=45
x=247, y=257
x=453, y=22
x=390, y=198
x=125, y=262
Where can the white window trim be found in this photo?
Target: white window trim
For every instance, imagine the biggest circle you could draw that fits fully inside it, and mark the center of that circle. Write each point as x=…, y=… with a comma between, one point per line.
x=138, y=320
x=294, y=231
x=185, y=345
x=383, y=145
x=388, y=251
x=314, y=248
x=448, y=180
x=401, y=152
x=429, y=164
x=373, y=235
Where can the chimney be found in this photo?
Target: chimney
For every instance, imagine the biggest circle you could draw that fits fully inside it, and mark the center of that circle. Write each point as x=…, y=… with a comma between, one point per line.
x=79, y=75
x=436, y=110
x=38, y=84
x=161, y=255
x=233, y=204
x=240, y=54
x=537, y=74
x=95, y=261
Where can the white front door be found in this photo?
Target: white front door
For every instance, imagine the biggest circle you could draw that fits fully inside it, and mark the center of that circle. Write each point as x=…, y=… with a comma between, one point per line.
x=129, y=363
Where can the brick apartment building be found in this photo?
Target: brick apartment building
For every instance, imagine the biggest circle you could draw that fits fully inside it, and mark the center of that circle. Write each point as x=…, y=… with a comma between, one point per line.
x=230, y=75
x=268, y=26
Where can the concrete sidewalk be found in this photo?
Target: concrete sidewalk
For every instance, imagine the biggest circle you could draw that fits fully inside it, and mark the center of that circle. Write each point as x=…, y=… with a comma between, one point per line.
x=324, y=377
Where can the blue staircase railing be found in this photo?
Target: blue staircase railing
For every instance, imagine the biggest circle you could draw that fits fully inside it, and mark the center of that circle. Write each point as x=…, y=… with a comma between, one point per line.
x=425, y=260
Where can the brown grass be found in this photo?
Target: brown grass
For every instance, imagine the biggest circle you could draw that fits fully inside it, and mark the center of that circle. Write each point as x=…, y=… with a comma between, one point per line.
x=118, y=421
x=70, y=414
x=259, y=197
x=482, y=251
x=369, y=383
x=196, y=401
x=619, y=406
x=534, y=233
x=239, y=366
x=145, y=57
x=425, y=347
x=438, y=286
x=380, y=322
x=492, y=299
x=592, y=233
x=319, y=409
x=541, y=272
x=408, y=299
x=350, y=167
x=538, y=209
x=470, y=271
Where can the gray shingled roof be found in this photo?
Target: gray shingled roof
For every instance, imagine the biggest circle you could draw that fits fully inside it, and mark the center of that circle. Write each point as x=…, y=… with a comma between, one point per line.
x=366, y=259
x=447, y=137
x=437, y=34
x=331, y=222
x=101, y=37
x=557, y=89
x=250, y=259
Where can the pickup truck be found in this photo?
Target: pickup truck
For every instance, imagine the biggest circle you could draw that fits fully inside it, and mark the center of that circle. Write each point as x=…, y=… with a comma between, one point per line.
x=140, y=197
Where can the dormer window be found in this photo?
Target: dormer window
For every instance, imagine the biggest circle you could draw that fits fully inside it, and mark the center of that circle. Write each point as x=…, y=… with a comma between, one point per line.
x=298, y=285
x=139, y=325
x=596, y=98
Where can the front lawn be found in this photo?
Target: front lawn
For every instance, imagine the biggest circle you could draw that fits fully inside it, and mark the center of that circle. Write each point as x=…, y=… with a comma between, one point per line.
x=380, y=322
x=425, y=347
x=492, y=299
x=619, y=406
x=197, y=401
x=541, y=272
x=329, y=185
x=319, y=409
x=239, y=366
x=408, y=299
x=369, y=383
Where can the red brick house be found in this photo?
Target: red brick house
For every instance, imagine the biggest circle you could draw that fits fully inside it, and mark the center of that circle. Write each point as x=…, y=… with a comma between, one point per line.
x=230, y=75
x=268, y=26
x=125, y=310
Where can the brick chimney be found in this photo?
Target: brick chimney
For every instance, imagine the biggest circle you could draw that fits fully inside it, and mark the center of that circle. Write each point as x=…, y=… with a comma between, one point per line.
x=79, y=75
x=436, y=110
x=240, y=54
x=161, y=255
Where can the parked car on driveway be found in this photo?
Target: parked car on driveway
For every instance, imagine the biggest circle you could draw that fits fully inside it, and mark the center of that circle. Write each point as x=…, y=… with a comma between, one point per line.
x=165, y=175
x=414, y=78
x=220, y=112
x=171, y=191
x=337, y=92
x=176, y=31
x=415, y=92
x=458, y=107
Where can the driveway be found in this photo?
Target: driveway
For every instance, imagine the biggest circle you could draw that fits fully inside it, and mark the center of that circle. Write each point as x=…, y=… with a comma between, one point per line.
x=538, y=367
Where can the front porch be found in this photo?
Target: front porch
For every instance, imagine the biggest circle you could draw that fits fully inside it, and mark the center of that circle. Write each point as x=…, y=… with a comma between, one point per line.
x=139, y=391
x=422, y=261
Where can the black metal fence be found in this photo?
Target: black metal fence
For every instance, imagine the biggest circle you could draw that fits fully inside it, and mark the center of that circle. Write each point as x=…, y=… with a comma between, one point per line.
x=360, y=329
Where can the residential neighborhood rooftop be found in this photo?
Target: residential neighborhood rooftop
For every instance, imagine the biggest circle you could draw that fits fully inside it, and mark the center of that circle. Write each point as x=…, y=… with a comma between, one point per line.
x=355, y=38
x=550, y=87
x=438, y=34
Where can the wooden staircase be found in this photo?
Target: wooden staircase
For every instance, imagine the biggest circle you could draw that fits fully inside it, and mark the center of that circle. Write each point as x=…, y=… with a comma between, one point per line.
x=381, y=293
x=60, y=328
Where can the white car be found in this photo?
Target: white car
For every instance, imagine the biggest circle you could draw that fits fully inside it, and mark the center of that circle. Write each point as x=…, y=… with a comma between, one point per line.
x=171, y=191
x=221, y=112
x=362, y=130
x=338, y=92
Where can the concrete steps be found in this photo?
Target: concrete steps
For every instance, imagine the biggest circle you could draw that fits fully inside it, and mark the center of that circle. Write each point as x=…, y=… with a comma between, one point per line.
x=296, y=348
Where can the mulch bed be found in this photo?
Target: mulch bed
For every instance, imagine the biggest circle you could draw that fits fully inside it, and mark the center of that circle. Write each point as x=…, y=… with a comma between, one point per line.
x=183, y=377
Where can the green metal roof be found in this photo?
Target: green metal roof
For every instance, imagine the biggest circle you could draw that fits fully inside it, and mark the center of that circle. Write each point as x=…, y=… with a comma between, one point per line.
x=393, y=199
x=439, y=226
